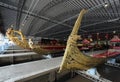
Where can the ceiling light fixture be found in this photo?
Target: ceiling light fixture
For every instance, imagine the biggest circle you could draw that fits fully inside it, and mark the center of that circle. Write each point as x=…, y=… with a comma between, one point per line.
x=105, y=5
x=114, y=32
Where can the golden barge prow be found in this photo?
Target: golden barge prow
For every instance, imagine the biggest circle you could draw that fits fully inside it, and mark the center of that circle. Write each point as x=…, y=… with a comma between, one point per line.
x=73, y=57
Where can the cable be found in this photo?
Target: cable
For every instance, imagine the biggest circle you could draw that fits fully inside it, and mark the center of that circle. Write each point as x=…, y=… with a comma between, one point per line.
x=28, y=11
x=31, y=10
x=34, y=5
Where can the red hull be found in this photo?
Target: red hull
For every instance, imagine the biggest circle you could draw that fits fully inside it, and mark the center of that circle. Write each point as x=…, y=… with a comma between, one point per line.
x=107, y=54
x=54, y=47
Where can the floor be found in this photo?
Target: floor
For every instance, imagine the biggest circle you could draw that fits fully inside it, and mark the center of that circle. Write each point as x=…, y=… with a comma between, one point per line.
x=78, y=78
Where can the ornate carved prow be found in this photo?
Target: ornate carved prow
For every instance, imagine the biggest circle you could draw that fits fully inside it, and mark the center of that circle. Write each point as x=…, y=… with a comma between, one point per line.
x=72, y=39
x=73, y=58
x=20, y=41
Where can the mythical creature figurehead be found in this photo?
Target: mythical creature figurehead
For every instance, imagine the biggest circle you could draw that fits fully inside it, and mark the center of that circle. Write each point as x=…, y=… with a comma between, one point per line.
x=9, y=31
x=17, y=37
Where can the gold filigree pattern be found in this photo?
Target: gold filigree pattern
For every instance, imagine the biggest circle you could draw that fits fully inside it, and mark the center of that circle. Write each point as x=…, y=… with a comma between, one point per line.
x=73, y=58
x=22, y=42
x=12, y=35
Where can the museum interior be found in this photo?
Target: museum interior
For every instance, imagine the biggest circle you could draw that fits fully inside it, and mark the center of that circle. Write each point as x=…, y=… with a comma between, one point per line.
x=59, y=40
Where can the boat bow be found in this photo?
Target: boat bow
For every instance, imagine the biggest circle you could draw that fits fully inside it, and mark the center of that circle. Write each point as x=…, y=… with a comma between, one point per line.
x=73, y=58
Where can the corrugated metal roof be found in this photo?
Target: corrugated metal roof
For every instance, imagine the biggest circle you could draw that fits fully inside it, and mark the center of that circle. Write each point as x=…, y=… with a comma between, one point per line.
x=55, y=18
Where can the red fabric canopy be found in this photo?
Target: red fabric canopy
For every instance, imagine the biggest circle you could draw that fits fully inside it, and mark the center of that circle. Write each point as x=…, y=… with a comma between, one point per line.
x=85, y=41
x=115, y=39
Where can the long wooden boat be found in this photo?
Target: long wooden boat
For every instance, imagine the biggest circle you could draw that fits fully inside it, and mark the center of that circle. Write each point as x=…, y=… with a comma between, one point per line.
x=45, y=49
x=110, y=53
x=73, y=57
x=114, y=49
x=19, y=39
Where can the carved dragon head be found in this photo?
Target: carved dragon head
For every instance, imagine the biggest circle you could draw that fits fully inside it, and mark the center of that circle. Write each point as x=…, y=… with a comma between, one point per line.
x=9, y=31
